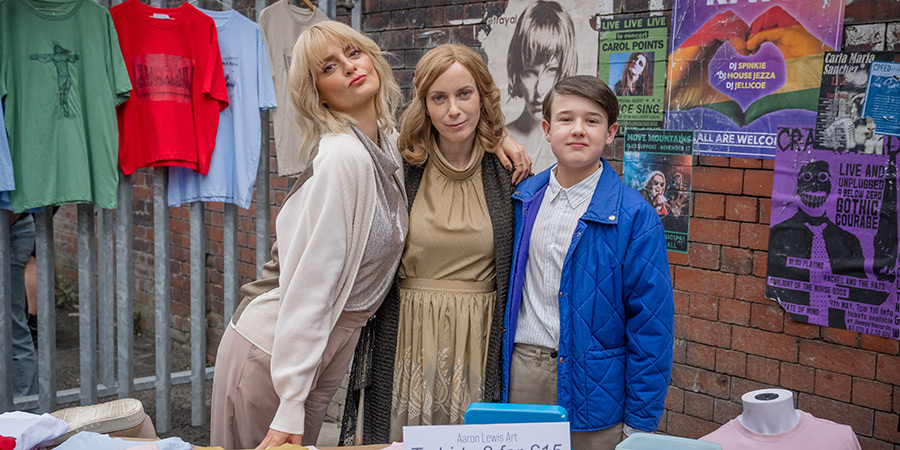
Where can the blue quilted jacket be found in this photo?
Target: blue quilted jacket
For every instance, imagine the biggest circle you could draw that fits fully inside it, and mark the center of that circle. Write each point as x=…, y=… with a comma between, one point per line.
x=615, y=305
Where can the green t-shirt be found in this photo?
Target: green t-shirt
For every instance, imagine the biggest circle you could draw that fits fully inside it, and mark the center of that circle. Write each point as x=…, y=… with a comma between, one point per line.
x=61, y=77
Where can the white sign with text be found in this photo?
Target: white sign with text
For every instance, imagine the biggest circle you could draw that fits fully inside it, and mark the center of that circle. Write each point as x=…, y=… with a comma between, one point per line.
x=501, y=436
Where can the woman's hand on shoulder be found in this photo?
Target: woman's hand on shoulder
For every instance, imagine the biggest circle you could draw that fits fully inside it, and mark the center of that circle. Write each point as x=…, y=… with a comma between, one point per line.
x=274, y=438
x=514, y=157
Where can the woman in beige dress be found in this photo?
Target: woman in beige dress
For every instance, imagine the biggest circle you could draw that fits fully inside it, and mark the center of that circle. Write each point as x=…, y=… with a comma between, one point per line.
x=436, y=338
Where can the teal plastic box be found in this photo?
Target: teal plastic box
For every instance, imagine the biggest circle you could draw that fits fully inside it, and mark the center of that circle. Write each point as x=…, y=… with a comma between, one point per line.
x=647, y=441
x=486, y=413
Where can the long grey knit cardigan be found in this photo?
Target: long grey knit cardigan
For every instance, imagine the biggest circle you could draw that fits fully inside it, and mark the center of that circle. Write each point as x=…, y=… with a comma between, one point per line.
x=373, y=361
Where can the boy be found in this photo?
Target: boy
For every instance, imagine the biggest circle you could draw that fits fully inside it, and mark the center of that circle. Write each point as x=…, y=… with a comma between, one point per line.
x=590, y=312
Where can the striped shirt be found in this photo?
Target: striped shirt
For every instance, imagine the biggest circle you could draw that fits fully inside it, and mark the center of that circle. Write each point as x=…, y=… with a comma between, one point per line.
x=550, y=240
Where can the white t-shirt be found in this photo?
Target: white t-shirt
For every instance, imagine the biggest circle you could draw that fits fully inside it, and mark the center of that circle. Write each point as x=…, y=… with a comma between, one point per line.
x=31, y=430
x=281, y=25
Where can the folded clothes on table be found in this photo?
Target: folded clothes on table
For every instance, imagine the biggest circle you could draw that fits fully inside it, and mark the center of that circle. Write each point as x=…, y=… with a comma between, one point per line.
x=31, y=430
x=86, y=440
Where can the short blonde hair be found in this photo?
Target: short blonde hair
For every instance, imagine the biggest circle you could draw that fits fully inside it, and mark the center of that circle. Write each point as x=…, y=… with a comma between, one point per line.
x=314, y=117
x=417, y=133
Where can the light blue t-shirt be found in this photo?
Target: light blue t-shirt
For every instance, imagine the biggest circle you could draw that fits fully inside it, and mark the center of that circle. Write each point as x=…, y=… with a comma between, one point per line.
x=7, y=182
x=235, y=159
x=87, y=440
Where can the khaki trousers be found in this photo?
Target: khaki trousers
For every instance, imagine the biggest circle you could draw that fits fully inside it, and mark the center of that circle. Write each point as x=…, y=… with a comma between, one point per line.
x=244, y=399
x=532, y=379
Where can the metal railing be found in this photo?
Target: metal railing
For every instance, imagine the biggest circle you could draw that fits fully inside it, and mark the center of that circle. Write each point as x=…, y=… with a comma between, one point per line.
x=106, y=296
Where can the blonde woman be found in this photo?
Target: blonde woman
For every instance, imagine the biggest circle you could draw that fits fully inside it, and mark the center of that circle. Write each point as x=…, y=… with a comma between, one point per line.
x=339, y=234
x=653, y=191
x=437, y=337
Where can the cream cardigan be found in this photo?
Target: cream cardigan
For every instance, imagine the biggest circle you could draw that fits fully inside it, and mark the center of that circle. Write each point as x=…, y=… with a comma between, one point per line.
x=321, y=231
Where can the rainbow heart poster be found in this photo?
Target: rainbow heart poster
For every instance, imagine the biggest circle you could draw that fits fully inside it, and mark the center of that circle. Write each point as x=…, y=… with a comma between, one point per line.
x=741, y=70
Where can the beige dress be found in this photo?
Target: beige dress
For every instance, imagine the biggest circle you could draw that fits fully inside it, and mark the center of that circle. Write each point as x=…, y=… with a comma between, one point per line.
x=447, y=293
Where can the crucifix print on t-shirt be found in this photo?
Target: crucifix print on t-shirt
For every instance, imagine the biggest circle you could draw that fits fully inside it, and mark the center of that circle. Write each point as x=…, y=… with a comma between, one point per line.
x=60, y=58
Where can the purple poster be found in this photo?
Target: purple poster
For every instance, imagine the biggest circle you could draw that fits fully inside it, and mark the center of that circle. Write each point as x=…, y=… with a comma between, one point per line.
x=833, y=239
x=740, y=70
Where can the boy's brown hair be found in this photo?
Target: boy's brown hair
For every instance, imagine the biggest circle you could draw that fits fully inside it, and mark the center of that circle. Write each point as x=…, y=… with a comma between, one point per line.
x=586, y=86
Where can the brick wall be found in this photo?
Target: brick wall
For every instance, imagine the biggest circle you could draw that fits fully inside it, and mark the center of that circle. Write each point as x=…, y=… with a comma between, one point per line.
x=730, y=339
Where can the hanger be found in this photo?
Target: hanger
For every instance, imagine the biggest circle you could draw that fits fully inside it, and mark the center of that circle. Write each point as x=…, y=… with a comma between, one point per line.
x=194, y=3
x=52, y=10
x=307, y=3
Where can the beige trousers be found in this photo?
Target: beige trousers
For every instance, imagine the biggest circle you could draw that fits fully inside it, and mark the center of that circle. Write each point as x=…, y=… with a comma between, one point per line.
x=532, y=379
x=244, y=399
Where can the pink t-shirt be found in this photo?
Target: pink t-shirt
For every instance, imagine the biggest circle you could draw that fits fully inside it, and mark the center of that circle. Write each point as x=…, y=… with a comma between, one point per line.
x=810, y=433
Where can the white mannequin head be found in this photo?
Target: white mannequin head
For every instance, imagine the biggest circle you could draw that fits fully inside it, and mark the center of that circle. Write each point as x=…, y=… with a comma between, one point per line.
x=768, y=411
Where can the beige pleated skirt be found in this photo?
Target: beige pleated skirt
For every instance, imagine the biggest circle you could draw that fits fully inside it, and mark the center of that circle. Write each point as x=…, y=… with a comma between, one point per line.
x=441, y=351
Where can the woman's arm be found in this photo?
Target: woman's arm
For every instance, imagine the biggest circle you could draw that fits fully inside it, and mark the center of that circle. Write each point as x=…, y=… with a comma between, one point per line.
x=318, y=236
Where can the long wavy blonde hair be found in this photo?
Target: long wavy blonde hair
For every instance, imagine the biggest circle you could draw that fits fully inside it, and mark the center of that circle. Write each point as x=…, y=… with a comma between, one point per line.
x=314, y=117
x=417, y=133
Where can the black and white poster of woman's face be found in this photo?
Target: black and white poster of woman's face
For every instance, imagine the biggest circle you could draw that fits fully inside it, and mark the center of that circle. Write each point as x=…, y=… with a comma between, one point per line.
x=530, y=47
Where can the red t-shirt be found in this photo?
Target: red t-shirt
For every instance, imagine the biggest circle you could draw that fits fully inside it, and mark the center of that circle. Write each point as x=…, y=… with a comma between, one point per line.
x=7, y=443
x=178, y=86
